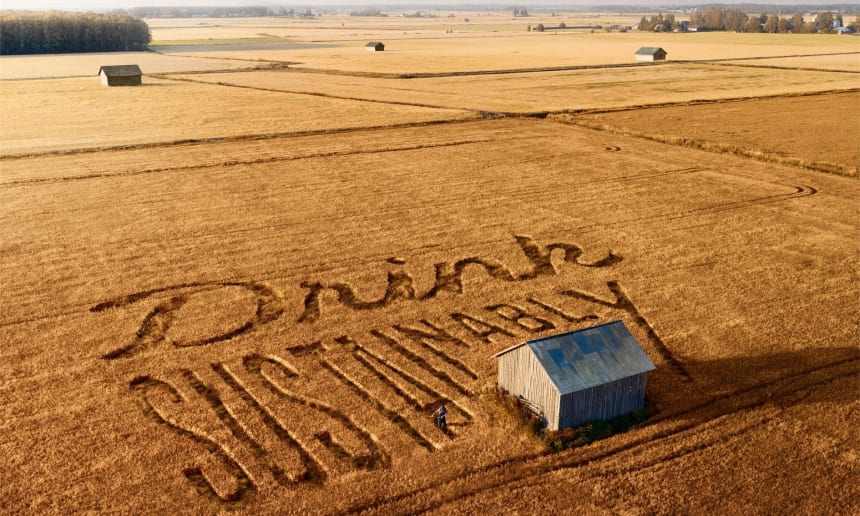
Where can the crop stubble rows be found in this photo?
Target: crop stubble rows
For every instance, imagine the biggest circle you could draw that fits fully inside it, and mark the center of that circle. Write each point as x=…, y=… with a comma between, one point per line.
x=302, y=239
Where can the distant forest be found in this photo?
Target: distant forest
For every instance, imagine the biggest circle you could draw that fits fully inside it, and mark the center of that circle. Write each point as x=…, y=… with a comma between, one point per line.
x=736, y=20
x=57, y=32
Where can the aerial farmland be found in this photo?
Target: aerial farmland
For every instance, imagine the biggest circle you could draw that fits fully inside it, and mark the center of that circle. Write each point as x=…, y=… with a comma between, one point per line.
x=248, y=283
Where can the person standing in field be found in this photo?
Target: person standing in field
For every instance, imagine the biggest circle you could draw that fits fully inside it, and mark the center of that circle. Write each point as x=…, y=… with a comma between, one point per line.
x=440, y=414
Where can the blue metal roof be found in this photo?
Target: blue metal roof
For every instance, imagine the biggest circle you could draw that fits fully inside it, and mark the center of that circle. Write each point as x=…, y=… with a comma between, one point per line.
x=589, y=357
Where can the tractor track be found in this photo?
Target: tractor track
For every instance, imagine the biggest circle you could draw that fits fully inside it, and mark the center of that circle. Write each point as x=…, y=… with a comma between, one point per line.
x=527, y=467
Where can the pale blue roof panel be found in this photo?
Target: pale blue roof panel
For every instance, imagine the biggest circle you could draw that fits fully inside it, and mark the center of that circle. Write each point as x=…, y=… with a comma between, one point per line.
x=589, y=357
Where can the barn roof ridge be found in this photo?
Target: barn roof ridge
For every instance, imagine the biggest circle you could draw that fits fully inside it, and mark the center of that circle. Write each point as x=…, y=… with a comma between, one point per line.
x=649, y=50
x=523, y=343
x=588, y=357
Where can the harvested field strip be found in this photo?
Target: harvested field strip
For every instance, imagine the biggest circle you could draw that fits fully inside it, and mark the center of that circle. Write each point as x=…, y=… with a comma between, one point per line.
x=230, y=163
x=274, y=65
x=313, y=94
x=283, y=273
x=431, y=75
x=227, y=139
x=540, y=93
x=776, y=67
x=798, y=192
x=57, y=115
x=698, y=102
x=780, y=57
x=267, y=230
x=272, y=62
x=823, y=62
x=64, y=66
x=434, y=75
x=528, y=466
x=715, y=432
x=719, y=148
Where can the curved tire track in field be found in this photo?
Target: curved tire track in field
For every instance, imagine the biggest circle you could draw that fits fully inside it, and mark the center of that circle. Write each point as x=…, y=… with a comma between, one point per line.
x=799, y=192
x=526, y=467
x=667, y=458
x=764, y=156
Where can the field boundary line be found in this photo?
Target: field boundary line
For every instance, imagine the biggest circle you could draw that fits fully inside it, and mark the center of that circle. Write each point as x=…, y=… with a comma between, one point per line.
x=466, y=118
x=678, y=103
x=537, y=69
x=314, y=94
x=777, y=67
x=467, y=73
x=238, y=162
x=273, y=66
x=295, y=66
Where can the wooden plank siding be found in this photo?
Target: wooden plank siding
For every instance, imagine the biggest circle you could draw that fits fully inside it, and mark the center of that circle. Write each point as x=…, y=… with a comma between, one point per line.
x=601, y=403
x=590, y=374
x=521, y=374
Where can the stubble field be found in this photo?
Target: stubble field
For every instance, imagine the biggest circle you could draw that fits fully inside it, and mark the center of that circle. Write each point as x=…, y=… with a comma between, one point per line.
x=251, y=296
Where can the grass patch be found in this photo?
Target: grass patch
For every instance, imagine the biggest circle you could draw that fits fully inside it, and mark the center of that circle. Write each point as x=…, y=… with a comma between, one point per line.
x=210, y=41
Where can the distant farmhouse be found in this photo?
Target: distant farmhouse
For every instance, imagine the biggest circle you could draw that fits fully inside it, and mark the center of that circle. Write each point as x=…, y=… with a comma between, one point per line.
x=651, y=54
x=120, y=75
x=374, y=46
x=593, y=374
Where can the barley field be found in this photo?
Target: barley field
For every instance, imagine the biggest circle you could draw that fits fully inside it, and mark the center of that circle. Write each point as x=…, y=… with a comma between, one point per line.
x=823, y=128
x=246, y=285
x=87, y=65
x=589, y=88
x=441, y=52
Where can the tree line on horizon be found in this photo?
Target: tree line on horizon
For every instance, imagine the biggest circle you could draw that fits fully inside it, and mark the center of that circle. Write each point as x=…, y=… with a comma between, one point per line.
x=736, y=20
x=215, y=12
x=56, y=32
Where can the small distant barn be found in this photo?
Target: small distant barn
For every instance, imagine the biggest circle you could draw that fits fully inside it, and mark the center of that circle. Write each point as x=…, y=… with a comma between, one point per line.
x=120, y=75
x=374, y=46
x=651, y=54
x=593, y=374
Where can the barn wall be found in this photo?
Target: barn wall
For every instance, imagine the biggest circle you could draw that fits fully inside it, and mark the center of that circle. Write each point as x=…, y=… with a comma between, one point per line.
x=602, y=402
x=521, y=374
x=129, y=80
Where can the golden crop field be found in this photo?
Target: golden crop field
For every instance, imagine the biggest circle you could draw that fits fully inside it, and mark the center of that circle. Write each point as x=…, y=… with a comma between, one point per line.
x=46, y=115
x=839, y=62
x=248, y=291
x=823, y=128
x=87, y=65
x=442, y=52
x=590, y=88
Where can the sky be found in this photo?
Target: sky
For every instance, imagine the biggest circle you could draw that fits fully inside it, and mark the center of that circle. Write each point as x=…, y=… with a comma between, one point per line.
x=83, y=5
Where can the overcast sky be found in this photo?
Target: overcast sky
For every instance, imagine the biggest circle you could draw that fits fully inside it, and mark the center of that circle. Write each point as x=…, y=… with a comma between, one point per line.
x=83, y=5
